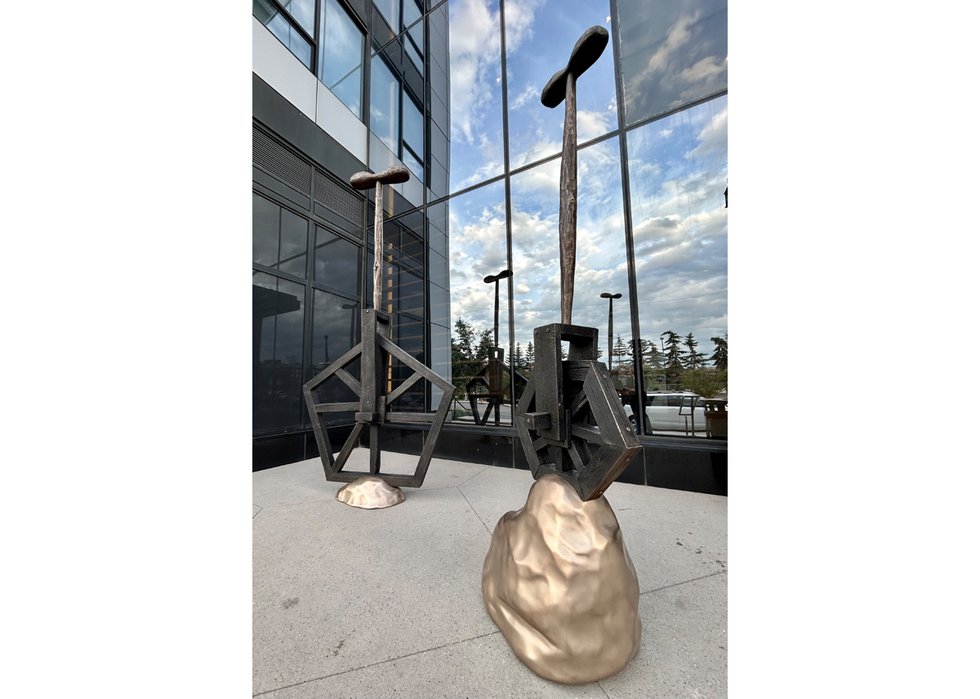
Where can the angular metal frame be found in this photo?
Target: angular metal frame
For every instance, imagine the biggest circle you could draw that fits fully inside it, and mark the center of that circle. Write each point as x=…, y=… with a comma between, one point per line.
x=376, y=350
x=569, y=420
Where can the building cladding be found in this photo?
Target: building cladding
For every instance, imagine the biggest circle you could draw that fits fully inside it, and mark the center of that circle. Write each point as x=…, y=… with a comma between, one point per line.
x=451, y=89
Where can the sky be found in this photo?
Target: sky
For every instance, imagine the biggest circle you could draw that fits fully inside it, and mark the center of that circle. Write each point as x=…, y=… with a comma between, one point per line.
x=678, y=170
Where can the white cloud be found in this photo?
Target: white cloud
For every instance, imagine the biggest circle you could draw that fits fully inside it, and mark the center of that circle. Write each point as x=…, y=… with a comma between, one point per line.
x=593, y=124
x=529, y=93
x=474, y=59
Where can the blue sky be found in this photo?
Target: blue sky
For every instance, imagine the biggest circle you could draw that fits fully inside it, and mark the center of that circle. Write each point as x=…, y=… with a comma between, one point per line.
x=678, y=169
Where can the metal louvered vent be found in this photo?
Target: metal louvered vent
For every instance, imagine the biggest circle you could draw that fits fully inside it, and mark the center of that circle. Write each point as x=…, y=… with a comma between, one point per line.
x=279, y=161
x=336, y=198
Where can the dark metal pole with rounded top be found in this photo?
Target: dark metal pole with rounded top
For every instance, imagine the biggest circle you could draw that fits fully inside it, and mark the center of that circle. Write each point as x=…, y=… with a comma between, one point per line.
x=561, y=88
x=365, y=180
x=607, y=295
x=495, y=279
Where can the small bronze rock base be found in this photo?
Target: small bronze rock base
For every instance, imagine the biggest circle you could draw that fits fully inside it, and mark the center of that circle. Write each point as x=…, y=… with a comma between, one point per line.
x=370, y=493
x=560, y=585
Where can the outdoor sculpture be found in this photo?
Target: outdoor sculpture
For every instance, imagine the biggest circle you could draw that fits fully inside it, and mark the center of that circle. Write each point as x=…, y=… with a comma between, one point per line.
x=557, y=579
x=570, y=420
x=375, y=351
x=491, y=377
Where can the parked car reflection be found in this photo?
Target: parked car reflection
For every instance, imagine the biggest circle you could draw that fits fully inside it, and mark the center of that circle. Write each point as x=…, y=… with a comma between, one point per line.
x=671, y=411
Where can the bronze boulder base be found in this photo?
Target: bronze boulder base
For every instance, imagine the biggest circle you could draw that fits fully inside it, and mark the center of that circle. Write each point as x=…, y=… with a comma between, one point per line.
x=370, y=493
x=560, y=585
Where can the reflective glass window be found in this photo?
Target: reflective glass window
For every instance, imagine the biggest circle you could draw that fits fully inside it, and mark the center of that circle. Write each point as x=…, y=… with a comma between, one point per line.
x=283, y=29
x=478, y=249
x=678, y=170
x=413, y=164
x=414, y=38
x=302, y=11
x=279, y=237
x=336, y=328
x=409, y=333
x=600, y=260
x=476, y=131
x=340, y=53
x=277, y=352
x=413, y=128
x=292, y=243
x=415, y=56
x=336, y=262
x=673, y=53
x=385, y=99
x=416, y=29
x=391, y=11
x=540, y=37
x=410, y=293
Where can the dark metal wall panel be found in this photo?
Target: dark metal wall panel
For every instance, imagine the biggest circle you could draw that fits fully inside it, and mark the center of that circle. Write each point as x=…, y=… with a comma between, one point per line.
x=280, y=116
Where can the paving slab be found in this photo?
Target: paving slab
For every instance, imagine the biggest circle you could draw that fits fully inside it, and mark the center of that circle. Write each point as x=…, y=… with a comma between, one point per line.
x=337, y=587
x=671, y=535
x=480, y=667
x=684, y=645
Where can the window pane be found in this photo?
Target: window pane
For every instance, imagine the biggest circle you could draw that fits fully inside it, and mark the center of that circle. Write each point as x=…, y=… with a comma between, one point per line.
x=265, y=231
x=414, y=164
x=336, y=262
x=414, y=55
x=477, y=249
x=384, y=103
x=410, y=336
x=539, y=41
x=341, y=51
x=389, y=9
x=410, y=293
x=277, y=352
x=336, y=328
x=302, y=12
x=278, y=237
x=292, y=244
x=412, y=15
x=413, y=129
x=673, y=53
x=601, y=253
x=283, y=30
x=476, y=131
x=678, y=176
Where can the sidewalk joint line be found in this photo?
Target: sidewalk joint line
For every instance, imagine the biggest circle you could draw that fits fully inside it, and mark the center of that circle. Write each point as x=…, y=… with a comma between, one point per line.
x=474, y=511
x=684, y=582
x=380, y=662
x=474, y=476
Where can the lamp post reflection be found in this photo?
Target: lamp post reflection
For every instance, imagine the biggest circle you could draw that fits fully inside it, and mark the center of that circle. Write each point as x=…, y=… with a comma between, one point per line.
x=495, y=280
x=491, y=376
x=607, y=295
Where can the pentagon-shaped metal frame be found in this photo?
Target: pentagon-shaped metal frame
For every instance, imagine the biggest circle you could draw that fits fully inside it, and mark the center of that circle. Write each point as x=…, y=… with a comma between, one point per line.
x=372, y=409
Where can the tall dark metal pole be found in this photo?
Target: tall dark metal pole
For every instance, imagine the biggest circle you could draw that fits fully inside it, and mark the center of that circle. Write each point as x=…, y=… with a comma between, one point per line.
x=568, y=211
x=607, y=295
x=495, y=278
x=561, y=88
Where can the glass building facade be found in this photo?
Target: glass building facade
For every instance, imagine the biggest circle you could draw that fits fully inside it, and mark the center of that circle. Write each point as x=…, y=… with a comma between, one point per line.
x=451, y=89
